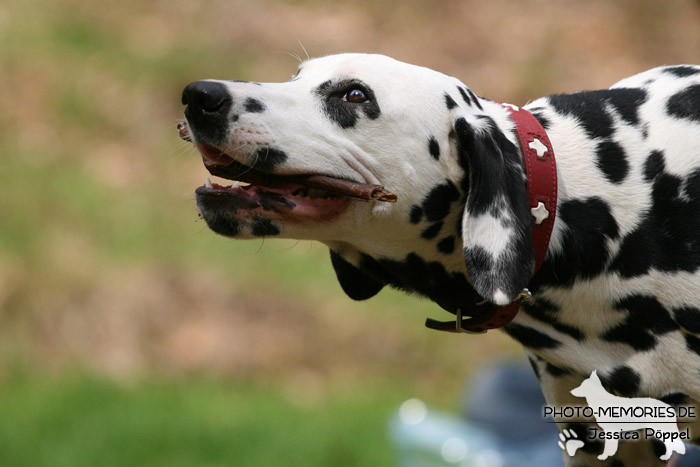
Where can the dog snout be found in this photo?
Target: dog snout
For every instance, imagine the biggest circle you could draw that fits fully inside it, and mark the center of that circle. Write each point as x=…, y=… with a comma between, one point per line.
x=208, y=106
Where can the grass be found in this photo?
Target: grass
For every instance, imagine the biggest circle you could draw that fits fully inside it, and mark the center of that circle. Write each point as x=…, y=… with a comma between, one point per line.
x=78, y=420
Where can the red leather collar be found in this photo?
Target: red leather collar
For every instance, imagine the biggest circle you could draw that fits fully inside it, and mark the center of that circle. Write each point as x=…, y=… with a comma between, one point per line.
x=541, y=171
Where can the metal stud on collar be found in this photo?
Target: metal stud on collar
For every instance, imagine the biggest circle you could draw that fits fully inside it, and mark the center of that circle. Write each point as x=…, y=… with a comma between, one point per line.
x=525, y=294
x=537, y=146
x=540, y=213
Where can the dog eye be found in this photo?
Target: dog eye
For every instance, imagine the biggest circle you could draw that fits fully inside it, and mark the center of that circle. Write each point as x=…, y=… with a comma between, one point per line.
x=356, y=96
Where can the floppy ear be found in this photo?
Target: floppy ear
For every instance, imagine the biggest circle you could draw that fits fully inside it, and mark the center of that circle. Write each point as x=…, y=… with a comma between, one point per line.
x=355, y=283
x=496, y=222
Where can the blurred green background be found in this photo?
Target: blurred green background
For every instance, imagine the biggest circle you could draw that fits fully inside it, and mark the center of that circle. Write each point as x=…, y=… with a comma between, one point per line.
x=132, y=335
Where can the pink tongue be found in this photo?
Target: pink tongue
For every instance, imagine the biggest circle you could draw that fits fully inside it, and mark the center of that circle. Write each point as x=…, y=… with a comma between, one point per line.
x=212, y=154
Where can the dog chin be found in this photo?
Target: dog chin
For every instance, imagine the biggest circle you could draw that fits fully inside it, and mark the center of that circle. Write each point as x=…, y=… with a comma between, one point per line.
x=243, y=214
x=255, y=227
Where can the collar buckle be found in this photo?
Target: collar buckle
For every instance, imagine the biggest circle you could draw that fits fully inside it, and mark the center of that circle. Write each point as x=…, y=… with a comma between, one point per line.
x=460, y=328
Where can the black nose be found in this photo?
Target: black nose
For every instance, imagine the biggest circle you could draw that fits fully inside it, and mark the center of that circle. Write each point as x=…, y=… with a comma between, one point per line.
x=208, y=106
x=206, y=96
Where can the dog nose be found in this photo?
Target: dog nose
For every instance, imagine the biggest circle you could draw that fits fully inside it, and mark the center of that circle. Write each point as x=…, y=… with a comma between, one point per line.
x=206, y=97
x=208, y=106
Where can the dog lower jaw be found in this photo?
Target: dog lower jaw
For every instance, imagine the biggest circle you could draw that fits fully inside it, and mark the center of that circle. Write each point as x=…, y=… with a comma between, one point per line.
x=229, y=210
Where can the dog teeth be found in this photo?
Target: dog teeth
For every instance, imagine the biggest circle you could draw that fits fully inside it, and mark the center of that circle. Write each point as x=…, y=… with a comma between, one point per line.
x=236, y=184
x=208, y=183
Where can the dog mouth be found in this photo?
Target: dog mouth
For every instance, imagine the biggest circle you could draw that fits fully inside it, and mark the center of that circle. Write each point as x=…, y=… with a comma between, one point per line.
x=258, y=193
x=261, y=194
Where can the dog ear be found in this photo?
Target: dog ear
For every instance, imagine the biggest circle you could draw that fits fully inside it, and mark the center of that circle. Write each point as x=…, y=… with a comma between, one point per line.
x=496, y=223
x=355, y=283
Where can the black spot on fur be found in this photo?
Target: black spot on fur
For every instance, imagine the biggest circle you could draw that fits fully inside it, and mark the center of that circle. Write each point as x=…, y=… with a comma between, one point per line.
x=269, y=158
x=436, y=204
x=416, y=214
x=584, y=253
x=264, y=227
x=626, y=102
x=646, y=320
x=589, y=108
x=465, y=97
x=667, y=237
x=623, y=380
x=556, y=371
x=451, y=104
x=432, y=231
x=658, y=447
x=686, y=103
x=682, y=70
x=688, y=318
x=475, y=99
x=346, y=114
x=223, y=224
x=544, y=121
x=446, y=246
x=693, y=343
x=546, y=312
x=469, y=97
x=434, y=148
x=530, y=338
x=450, y=290
x=654, y=165
x=253, y=105
x=611, y=161
x=675, y=399
x=638, y=339
x=356, y=284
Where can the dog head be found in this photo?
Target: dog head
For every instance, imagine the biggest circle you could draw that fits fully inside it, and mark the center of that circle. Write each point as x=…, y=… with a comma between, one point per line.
x=461, y=226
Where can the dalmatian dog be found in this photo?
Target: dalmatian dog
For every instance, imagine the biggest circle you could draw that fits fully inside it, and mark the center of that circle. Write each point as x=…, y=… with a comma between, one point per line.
x=619, y=290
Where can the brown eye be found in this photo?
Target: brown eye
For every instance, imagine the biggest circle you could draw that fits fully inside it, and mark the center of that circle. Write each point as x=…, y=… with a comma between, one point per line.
x=356, y=96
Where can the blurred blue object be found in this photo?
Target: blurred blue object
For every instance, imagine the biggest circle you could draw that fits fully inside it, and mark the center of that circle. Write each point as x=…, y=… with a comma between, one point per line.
x=502, y=425
x=438, y=440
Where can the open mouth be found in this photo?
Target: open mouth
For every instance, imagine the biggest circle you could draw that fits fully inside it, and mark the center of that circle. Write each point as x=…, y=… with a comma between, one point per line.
x=254, y=191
